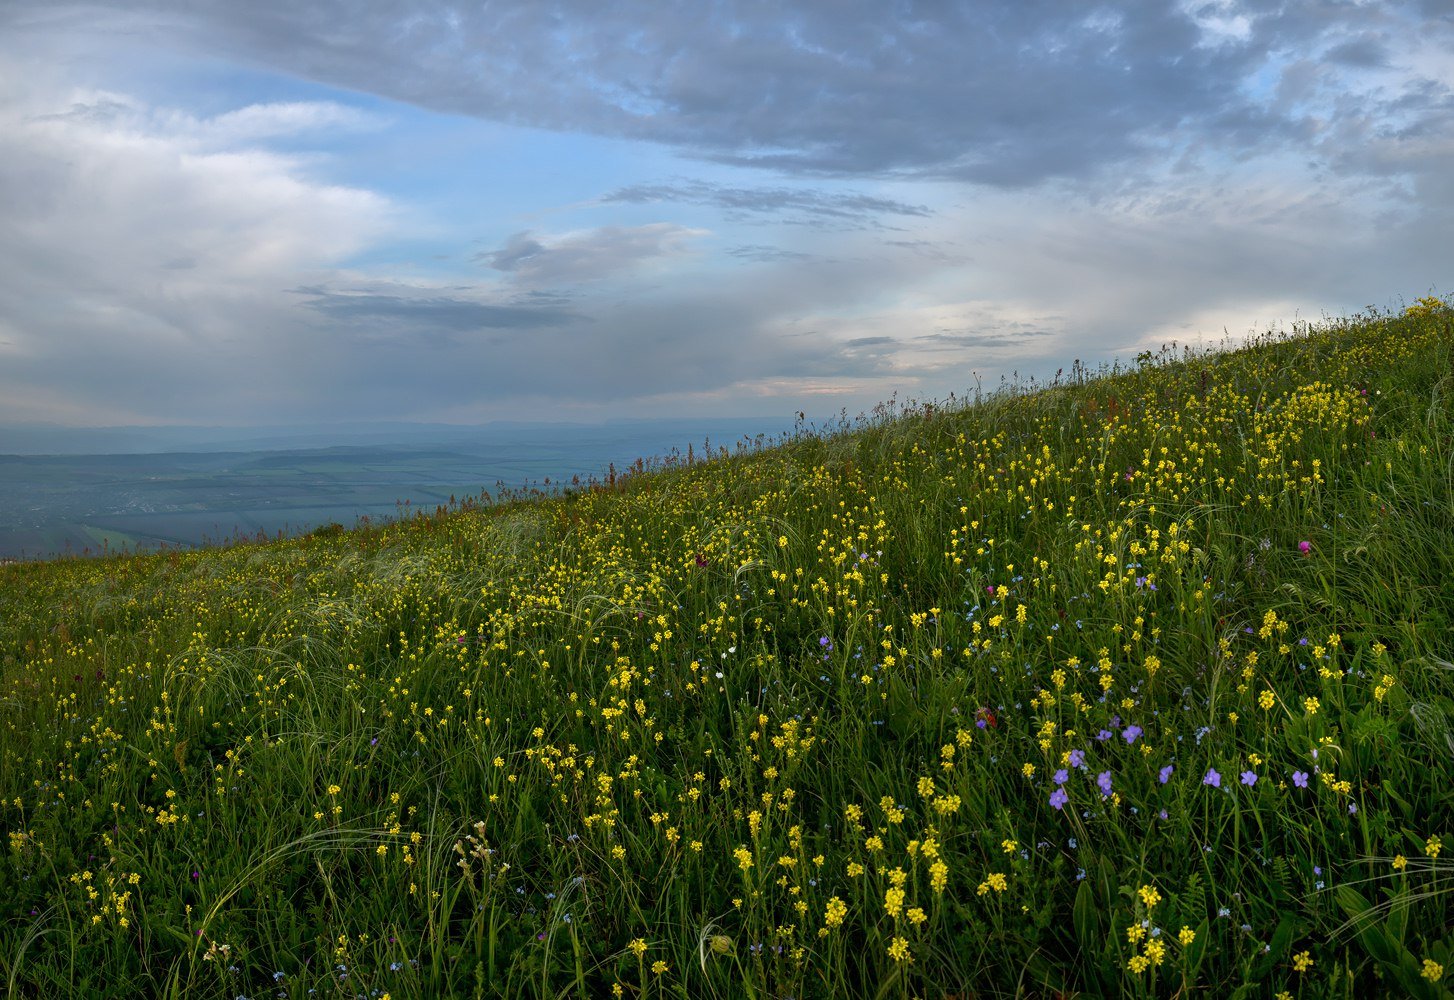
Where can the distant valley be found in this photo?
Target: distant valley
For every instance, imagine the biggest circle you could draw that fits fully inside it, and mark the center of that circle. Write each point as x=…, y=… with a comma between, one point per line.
x=74, y=504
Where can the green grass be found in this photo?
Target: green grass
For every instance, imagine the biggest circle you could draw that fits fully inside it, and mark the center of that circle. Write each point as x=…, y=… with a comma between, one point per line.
x=790, y=722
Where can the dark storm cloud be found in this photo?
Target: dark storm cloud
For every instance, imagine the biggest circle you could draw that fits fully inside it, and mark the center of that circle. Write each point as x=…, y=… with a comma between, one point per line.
x=1008, y=94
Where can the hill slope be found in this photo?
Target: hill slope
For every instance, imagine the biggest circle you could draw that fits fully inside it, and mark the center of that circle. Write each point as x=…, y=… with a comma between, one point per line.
x=1135, y=684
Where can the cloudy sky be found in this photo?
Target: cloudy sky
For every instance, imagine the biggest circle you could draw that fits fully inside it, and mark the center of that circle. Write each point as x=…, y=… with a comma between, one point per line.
x=294, y=211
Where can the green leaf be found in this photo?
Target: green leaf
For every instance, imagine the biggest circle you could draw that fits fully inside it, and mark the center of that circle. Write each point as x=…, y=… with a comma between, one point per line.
x=1282, y=939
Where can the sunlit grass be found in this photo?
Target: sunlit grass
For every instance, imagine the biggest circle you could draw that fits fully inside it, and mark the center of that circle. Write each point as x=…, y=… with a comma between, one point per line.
x=1135, y=684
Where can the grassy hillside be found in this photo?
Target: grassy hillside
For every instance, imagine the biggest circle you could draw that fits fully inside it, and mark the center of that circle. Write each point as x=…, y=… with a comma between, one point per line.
x=1137, y=684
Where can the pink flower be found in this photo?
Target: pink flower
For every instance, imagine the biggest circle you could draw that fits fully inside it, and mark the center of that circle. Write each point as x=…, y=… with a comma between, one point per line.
x=1305, y=548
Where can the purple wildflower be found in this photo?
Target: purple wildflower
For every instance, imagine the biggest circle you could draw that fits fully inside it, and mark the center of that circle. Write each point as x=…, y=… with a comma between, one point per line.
x=1061, y=776
x=1077, y=758
x=1104, y=735
x=1131, y=734
x=1104, y=781
x=1249, y=778
x=1166, y=773
x=1213, y=778
x=1300, y=778
x=1305, y=548
x=1059, y=798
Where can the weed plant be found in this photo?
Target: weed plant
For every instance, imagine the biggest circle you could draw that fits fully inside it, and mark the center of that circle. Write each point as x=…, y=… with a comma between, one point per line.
x=1135, y=684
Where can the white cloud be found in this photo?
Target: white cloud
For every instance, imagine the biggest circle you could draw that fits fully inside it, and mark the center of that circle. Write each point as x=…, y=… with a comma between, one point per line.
x=139, y=258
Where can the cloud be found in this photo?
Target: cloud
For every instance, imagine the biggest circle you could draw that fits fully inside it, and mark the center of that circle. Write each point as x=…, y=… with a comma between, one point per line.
x=759, y=254
x=589, y=255
x=924, y=196
x=803, y=206
x=246, y=125
x=932, y=341
x=1009, y=95
x=439, y=312
x=140, y=270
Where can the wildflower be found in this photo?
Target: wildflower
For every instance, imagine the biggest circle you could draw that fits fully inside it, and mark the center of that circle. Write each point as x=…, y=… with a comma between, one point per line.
x=1213, y=778
x=1103, y=780
x=1302, y=961
x=1061, y=776
x=1400, y=863
x=1130, y=734
x=1305, y=548
x=938, y=876
x=1311, y=704
x=995, y=881
x=834, y=913
x=1249, y=778
x=1138, y=963
x=899, y=950
x=1149, y=896
x=1187, y=936
x=1077, y=758
x=659, y=967
x=1267, y=699
x=1433, y=845
x=1432, y=970
x=1165, y=774
x=1059, y=798
x=637, y=946
x=1300, y=778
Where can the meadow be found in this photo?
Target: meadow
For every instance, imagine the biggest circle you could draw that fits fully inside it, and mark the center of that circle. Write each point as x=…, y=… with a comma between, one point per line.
x=1138, y=683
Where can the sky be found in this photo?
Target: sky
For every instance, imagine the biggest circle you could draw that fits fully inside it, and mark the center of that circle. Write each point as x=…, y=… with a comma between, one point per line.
x=336, y=211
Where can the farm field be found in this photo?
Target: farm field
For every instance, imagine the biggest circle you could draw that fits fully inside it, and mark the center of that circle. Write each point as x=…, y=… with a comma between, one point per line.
x=1139, y=684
